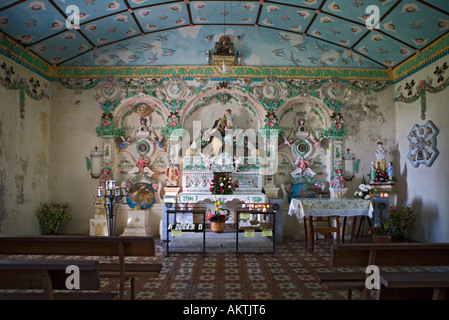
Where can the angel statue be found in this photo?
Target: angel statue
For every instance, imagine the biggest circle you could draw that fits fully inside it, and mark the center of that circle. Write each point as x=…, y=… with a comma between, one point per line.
x=302, y=168
x=125, y=142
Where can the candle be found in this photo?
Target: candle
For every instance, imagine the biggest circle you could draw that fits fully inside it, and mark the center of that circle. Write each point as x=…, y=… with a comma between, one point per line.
x=99, y=191
x=116, y=191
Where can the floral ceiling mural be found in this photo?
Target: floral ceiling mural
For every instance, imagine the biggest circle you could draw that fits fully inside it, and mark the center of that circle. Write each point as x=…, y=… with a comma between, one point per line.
x=285, y=33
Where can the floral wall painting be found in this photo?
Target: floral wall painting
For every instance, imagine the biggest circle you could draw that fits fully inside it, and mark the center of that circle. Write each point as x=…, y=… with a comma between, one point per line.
x=423, y=144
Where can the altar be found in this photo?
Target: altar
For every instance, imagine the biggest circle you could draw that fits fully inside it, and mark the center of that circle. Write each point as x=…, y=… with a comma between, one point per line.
x=306, y=209
x=243, y=173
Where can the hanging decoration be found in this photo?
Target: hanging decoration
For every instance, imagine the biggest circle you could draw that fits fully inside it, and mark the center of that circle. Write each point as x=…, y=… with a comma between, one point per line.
x=29, y=87
x=423, y=87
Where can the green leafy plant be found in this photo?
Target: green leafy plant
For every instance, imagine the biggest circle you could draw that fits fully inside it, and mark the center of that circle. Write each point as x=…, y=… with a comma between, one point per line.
x=53, y=215
x=400, y=220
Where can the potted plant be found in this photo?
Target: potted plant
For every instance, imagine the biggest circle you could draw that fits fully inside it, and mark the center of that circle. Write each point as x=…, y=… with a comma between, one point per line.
x=53, y=215
x=400, y=220
x=218, y=218
x=380, y=232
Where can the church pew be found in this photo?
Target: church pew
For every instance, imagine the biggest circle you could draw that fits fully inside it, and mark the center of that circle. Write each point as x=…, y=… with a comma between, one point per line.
x=44, y=277
x=115, y=246
x=381, y=255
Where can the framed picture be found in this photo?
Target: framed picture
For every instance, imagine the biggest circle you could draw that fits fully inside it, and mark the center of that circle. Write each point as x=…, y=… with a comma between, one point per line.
x=423, y=144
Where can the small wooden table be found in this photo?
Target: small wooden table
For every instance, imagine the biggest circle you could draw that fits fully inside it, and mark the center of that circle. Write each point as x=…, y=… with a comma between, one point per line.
x=325, y=208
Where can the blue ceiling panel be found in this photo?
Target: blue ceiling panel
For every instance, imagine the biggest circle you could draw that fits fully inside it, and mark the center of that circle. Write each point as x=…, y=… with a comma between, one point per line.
x=303, y=33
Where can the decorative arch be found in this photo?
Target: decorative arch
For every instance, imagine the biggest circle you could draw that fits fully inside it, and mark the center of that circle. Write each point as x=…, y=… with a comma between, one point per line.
x=319, y=105
x=126, y=107
x=195, y=104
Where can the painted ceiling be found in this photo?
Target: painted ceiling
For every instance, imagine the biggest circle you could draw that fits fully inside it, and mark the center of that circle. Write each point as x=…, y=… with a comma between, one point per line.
x=282, y=33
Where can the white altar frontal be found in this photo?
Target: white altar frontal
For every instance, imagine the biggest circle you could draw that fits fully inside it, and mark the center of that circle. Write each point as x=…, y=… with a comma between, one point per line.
x=245, y=173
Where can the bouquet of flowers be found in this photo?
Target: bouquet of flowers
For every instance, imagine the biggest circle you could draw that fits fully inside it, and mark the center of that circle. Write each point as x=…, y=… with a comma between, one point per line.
x=365, y=192
x=222, y=185
x=219, y=214
x=53, y=215
x=381, y=176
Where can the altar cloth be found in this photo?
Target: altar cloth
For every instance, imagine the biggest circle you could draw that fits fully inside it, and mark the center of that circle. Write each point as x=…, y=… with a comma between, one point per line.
x=325, y=207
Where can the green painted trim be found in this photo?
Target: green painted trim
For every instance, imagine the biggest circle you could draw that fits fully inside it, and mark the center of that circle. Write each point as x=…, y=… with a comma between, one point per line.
x=438, y=48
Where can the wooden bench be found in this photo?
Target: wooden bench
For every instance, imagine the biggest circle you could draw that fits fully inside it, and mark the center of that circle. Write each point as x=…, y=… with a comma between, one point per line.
x=381, y=255
x=48, y=276
x=412, y=285
x=120, y=247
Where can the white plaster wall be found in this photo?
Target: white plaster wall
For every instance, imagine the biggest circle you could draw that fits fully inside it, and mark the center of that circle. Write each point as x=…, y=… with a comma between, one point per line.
x=24, y=157
x=425, y=188
x=365, y=129
x=73, y=137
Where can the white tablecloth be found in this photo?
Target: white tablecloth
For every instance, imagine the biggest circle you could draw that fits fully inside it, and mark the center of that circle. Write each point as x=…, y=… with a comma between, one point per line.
x=324, y=207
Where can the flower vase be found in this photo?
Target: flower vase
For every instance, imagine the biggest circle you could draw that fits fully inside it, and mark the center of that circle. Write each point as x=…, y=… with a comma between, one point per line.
x=380, y=239
x=217, y=227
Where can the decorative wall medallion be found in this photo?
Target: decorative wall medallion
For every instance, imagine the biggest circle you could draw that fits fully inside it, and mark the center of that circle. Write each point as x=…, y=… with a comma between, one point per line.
x=110, y=89
x=144, y=148
x=423, y=143
x=270, y=89
x=301, y=148
x=175, y=88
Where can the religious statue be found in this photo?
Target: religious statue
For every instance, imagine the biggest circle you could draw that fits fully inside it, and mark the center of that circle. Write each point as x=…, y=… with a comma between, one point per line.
x=229, y=119
x=125, y=142
x=172, y=176
x=317, y=144
x=220, y=125
x=141, y=167
x=143, y=131
x=141, y=163
x=302, y=168
x=287, y=142
x=381, y=154
x=373, y=171
x=217, y=144
x=390, y=171
x=301, y=132
x=301, y=125
x=224, y=46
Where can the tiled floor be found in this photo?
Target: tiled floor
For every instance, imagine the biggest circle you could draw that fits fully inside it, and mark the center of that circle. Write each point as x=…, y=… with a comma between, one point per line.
x=288, y=274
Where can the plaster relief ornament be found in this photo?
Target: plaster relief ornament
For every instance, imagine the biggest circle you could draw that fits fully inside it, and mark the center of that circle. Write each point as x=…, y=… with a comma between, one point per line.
x=172, y=176
x=110, y=89
x=302, y=168
x=423, y=144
